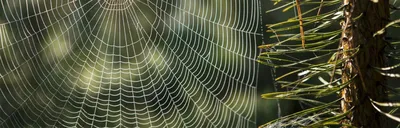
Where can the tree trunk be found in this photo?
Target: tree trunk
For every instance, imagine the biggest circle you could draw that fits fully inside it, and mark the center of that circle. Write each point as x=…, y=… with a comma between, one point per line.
x=362, y=19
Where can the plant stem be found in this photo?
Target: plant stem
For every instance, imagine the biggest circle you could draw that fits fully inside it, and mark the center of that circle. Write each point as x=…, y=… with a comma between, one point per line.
x=368, y=83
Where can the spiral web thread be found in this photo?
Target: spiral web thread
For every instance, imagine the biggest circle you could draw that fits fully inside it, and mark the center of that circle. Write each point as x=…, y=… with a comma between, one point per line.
x=128, y=63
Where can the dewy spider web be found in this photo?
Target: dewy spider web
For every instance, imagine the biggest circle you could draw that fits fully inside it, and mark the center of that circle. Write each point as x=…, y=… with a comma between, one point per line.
x=128, y=63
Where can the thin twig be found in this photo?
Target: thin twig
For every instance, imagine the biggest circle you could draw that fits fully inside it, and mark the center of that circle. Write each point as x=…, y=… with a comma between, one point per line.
x=320, y=7
x=303, y=42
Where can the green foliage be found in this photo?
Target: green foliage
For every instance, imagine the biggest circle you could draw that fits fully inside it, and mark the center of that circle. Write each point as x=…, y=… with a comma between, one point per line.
x=312, y=79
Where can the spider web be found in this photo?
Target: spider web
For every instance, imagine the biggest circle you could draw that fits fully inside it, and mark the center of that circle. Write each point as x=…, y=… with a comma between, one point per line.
x=128, y=63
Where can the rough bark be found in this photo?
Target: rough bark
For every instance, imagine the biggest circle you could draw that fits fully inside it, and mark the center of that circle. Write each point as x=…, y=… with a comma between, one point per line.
x=358, y=32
